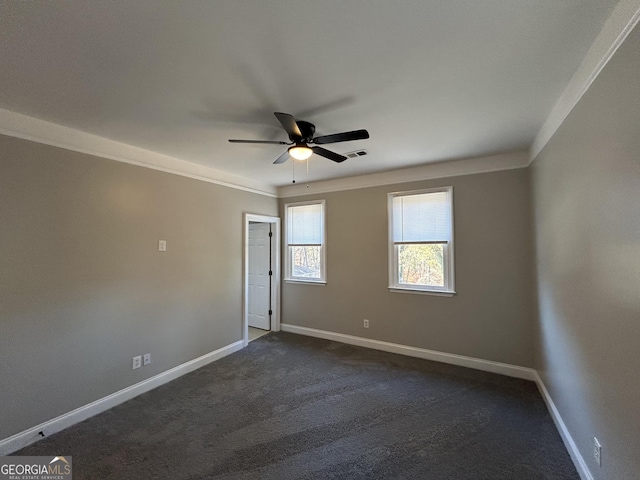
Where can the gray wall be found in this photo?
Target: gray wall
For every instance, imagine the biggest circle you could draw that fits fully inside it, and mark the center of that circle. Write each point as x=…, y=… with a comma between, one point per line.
x=491, y=315
x=586, y=189
x=83, y=287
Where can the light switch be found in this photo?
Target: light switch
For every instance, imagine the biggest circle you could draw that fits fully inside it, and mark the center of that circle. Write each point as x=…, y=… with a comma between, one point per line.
x=162, y=245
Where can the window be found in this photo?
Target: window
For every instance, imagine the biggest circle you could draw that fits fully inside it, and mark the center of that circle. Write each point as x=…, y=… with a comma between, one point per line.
x=421, y=241
x=305, y=242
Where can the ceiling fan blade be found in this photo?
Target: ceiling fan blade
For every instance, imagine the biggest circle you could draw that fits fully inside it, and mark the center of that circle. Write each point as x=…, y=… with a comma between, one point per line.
x=269, y=142
x=342, y=137
x=282, y=158
x=323, y=152
x=289, y=124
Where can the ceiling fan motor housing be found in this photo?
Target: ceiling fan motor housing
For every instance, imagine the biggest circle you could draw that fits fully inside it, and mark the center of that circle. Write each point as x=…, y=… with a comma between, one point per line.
x=306, y=129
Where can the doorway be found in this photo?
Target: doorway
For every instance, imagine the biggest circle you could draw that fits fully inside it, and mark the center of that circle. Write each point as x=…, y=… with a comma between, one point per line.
x=261, y=310
x=259, y=281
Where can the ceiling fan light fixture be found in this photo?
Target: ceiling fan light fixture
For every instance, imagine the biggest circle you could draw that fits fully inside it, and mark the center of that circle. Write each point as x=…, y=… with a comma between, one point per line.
x=300, y=152
x=301, y=133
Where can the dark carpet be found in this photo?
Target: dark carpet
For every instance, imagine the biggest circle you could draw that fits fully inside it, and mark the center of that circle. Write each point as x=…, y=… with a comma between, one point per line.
x=294, y=407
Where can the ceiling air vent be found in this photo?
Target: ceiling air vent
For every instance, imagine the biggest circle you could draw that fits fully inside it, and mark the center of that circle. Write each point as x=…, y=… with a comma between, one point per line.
x=356, y=153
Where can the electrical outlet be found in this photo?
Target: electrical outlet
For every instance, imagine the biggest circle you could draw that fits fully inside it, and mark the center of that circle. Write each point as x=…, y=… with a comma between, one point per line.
x=162, y=245
x=597, y=451
x=137, y=362
x=146, y=359
x=366, y=323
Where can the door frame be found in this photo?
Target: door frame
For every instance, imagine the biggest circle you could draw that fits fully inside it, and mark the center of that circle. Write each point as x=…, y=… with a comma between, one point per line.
x=275, y=268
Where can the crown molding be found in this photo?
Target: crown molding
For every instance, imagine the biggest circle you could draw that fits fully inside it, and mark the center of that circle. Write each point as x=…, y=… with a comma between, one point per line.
x=29, y=128
x=623, y=19
x=454, y=168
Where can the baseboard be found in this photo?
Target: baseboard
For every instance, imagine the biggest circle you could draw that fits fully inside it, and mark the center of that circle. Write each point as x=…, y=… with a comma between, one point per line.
x=572, y=448
x=31, y=435
x=453, y=359
x=463, y=361
x=27, y=437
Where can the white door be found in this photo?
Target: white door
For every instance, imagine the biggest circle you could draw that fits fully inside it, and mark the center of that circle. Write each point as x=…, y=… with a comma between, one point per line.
x=259, y=278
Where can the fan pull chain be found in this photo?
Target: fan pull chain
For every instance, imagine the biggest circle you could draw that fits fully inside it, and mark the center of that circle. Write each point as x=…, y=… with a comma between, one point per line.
x=307, y=166
x=293, y=170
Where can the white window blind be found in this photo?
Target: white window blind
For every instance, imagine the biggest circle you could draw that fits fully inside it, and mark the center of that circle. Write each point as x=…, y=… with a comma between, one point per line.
x=305, y=225
x=421, y=250
x=305, y=231
x=422, y=218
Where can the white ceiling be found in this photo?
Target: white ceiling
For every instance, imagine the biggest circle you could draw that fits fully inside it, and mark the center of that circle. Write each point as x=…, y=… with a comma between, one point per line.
x=431, y=80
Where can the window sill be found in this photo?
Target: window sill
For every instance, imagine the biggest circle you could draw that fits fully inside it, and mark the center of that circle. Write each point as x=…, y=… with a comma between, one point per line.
x=305, y=282
x=416, y=291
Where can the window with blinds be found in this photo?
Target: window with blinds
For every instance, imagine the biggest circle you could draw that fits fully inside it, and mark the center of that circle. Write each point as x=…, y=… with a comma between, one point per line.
x=421, y=240
x=305, y=239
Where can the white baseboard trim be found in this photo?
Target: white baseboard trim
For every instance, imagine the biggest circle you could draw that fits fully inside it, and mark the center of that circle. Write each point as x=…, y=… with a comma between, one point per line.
x=453, y=359
x=572, y=448
x=31, y=435
x=463, y=361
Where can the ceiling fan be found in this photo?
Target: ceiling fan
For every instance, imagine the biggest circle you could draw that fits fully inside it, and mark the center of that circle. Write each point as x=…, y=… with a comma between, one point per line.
x=301, y=135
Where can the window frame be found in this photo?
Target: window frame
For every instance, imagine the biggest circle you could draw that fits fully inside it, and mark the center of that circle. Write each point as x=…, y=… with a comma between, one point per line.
x=448, y=290
x=288, y=276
